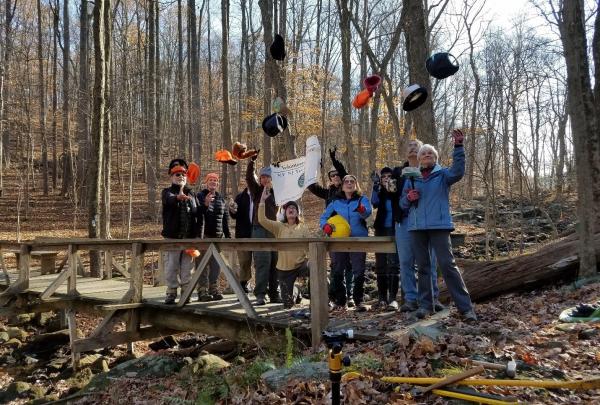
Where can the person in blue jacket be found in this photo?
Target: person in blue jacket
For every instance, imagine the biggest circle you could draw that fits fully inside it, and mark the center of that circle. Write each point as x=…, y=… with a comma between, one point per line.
x=386, y=264
x=430, y=224
x=408, y=270
x=355, y=208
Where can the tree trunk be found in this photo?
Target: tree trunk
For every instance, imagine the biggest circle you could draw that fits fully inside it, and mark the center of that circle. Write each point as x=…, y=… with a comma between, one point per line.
x=67, y=153
x=417, y=51
x=266, y=13
x=557, y=261
x=151, y=141
x=227, y=142
x=107, y=128
x=342, y=6
x=472, y=138
x=97, y=133
x=42, y=99
x=55, y=21
x=583, y=127
x=196, y=122
x=182, y=148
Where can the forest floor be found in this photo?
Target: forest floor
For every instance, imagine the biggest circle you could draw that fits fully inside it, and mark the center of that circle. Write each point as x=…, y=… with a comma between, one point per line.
x=522, y=326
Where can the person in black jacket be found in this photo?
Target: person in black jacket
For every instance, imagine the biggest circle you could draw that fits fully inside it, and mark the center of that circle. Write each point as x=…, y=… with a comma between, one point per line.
x=241, y=210
x=329, y=194
x=213, y=222
x=384, y=197
x=180, y=221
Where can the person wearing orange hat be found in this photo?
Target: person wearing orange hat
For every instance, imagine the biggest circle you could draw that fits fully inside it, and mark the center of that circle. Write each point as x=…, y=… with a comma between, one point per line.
x=180, y=221
x=213, y=222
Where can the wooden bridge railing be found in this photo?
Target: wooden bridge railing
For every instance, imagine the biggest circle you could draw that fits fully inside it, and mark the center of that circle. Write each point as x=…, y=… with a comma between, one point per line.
x=317, y=252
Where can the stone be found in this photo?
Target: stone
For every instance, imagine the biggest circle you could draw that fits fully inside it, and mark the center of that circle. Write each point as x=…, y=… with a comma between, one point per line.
x=277, y=379
x=4, y=337
x=461, y=216
x=588, y=334
x=17, y=333
x=13, y=343
x=38, y=392
x=58, y=363
x=209, y=362
x=30, y=360
x=80, y=379
x=23, y=319
x=42, y=318
x=87, y=361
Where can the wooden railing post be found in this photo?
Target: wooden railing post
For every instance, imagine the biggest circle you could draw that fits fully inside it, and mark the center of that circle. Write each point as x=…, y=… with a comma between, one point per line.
x=73, y=266
x=136, y=285
x=108, y=260
x=24, y=267
x=319, y=299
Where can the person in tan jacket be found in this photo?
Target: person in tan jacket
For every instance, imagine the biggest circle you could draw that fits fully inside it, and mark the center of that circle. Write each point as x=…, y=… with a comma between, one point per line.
x=290, y=264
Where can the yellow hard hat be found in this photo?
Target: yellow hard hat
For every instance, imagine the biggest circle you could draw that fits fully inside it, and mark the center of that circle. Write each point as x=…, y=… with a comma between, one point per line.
x=340, y=225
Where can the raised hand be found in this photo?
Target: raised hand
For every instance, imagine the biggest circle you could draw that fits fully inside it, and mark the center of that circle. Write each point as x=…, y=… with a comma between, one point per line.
x=458, y=137
x=209, y=198
x=253, y=158
x=332, y=152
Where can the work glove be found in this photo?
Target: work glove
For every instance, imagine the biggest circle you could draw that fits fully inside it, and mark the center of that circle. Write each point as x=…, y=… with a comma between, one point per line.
x=253, y=158
x=233, y=207
x=361, y=209
x=375, y=178
x=458, y=136
x=413, y=195
x=328, y=229
x=332, y=153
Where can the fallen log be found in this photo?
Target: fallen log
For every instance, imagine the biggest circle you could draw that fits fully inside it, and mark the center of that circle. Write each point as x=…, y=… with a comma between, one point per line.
x=556, y=261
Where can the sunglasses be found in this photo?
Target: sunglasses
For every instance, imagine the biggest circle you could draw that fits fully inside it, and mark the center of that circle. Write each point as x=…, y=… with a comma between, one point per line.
x=179, y=174
x=386, y=176
x=350, y=181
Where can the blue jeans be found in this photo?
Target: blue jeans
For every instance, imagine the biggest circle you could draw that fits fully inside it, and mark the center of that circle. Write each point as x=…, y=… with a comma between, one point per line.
x=438, y=240
x=408, y=270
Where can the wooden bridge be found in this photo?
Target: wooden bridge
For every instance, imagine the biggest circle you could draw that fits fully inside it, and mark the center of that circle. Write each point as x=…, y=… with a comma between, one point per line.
x=137, y=297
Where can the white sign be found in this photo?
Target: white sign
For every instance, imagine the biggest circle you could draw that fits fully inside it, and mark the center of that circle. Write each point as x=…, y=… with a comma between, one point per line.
x=291, y=177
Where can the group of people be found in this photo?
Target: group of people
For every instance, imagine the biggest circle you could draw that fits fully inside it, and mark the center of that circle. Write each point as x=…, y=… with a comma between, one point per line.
x=412, y=208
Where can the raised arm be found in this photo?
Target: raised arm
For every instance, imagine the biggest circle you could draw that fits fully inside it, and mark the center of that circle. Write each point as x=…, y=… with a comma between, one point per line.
x=253, y=185
x=456, y=172
x=339, y=166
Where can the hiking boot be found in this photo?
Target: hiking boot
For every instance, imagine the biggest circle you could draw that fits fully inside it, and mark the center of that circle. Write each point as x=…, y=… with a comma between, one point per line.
x=245, y=286
x=170, y=298
x=350, y=303
x=204, y=297
x=360, y=307
x=217, y=296
x=333, y=307
x=380, y=305
x=409, y=306
x=469, y=316
x=422, y=313
x=438, y=306
x=260, y=302
x=393, y=305
x=275, y=300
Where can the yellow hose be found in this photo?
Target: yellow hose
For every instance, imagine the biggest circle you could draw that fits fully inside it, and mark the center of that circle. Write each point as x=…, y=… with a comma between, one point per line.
x=472, y=398
x=589, y=384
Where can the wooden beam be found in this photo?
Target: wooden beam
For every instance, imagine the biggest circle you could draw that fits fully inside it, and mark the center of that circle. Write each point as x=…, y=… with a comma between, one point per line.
x=121, y=269
x=185, y=295
x=24, y=267
x=4, y=269
x=108, y=264
x=160, y=277
x=114, y=307
x=65, y=274
x=233, y=283
x=72, y=256
x=136, y=282
x=73, y=338
x=119, y=338
x=319, y=299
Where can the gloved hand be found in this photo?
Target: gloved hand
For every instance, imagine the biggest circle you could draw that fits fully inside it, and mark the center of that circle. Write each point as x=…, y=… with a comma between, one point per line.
x=458, y=136
x=332, y=153
x=361, y=209
x=253, y=158
x=328, y=229
x=375, y=178
x=413, y=195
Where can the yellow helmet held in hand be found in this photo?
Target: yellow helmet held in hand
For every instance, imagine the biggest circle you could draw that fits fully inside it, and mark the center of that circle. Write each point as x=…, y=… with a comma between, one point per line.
x=341, y=227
